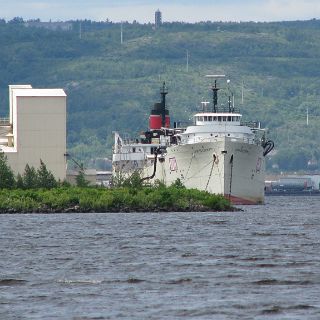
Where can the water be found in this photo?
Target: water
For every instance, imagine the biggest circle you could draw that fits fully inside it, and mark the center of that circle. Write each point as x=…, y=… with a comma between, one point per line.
x=262, y=263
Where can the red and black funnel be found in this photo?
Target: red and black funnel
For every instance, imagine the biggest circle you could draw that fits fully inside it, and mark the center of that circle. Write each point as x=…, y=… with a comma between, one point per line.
x=159, y=117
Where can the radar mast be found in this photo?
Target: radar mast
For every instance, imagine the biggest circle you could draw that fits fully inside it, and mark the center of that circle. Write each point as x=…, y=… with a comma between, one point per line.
x=215, y=89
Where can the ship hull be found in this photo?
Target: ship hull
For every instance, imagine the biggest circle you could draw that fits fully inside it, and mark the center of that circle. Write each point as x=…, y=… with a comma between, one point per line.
x=234, y=169
x=217, y=153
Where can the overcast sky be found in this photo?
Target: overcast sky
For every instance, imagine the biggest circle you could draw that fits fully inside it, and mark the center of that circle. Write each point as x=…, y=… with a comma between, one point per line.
x=172, y=10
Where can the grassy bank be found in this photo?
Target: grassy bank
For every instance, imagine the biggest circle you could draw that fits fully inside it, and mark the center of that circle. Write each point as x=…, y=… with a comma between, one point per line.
x=88, y=199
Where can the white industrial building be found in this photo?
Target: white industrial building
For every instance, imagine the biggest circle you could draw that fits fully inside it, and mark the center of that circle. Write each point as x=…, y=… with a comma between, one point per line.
x=36, y=129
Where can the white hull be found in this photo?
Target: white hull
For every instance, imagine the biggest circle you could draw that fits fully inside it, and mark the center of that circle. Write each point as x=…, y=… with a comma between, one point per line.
x=218, y=153
x=234, y=169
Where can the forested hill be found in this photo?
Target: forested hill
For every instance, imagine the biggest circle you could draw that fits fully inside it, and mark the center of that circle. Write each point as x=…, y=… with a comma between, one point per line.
x=112, y=86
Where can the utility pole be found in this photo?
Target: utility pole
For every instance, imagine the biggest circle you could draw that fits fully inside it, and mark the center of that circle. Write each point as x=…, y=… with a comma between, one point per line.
x=121, y=36
x=187, y=60
x=242, y=93
x=80, y=31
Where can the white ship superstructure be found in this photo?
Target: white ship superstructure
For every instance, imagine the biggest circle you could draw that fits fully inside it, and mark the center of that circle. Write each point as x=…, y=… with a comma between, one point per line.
x=218, y=153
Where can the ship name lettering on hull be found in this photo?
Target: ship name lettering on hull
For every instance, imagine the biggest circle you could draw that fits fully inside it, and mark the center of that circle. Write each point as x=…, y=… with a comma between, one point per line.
x=203, y=150
x=242, y=150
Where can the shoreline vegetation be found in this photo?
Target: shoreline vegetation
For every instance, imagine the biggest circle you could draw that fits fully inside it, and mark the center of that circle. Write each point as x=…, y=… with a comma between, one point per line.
x=37, y=191
x=100, y=200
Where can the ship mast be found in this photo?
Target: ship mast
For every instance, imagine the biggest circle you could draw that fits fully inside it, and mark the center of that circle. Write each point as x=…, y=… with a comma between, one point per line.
x=163, y=92
x=215, y=90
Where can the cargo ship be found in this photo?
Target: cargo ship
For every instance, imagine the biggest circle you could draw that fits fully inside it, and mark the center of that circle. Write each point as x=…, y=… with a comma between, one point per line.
x=218, y=153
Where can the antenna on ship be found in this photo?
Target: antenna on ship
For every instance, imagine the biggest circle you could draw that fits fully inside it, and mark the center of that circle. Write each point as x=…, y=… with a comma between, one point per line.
x=231, y=94
x=163, y=92
x=204, y=105
x=215, y=89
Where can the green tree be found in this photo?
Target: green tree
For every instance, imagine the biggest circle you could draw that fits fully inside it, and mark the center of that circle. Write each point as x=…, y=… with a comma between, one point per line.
x=80, y=178
x=19, y=182
x=6, y=174
x=178, y=184
x=134, y=181
x=46, y=179
x=30, y=177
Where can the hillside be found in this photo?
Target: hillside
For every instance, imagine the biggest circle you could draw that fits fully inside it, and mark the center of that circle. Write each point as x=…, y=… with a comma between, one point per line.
x=112, y=86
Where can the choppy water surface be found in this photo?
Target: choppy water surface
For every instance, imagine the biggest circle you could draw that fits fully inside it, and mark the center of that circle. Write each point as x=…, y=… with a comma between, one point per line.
x=262, y=263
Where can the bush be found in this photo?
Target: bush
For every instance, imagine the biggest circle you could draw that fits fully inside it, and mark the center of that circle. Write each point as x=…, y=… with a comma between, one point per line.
x=91, y=199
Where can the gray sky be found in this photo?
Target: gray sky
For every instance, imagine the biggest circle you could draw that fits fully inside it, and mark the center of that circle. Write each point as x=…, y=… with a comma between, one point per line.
x=172, y=10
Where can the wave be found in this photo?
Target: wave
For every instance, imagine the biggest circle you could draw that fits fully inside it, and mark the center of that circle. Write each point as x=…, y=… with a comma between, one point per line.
x=179, y=281
x=88, y=281
x=279, y=309
x=12, y=282
x=78, y=281
x=276, y=282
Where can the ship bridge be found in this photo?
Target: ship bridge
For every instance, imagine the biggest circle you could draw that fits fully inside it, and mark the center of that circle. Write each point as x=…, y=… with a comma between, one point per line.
x=210, y=126
x=212, y=118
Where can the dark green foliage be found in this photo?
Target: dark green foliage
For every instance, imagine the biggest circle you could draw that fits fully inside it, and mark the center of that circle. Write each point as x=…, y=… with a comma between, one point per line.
x=80, y=178
x=91, y=199
x=30, y=178
x=64, y=184
x=178, y=184
x=6, y=174
x=117, y=179
x=19, y=181
x=46, y=179
x=133, y=182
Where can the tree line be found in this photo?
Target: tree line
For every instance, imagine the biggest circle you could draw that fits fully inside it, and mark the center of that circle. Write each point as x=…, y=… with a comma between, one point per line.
x=32, y=178
x=37, y=191
x=112, y=86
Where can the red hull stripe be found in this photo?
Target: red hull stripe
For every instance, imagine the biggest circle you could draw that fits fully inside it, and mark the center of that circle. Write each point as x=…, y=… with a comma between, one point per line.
x=237, y=200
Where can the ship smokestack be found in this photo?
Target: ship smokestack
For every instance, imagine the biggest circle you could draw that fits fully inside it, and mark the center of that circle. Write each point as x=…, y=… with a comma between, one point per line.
x=159, y=116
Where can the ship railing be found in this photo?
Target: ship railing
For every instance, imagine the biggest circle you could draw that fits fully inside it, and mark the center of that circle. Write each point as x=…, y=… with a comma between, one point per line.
x=227, y=109
x=251, y=124
x=215, y=139
x=127, y=141
x=222, y=109
x=243, y=139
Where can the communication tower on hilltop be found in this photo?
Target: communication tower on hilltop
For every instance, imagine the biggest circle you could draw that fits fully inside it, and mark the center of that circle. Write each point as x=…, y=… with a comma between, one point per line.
x=157, y=19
